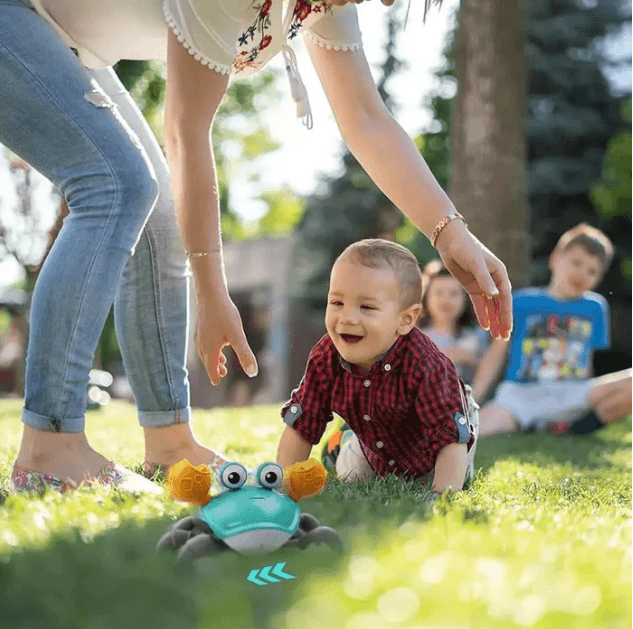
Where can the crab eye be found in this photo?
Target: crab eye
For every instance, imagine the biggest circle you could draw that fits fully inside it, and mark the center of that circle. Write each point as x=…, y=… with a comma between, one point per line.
x=270, y=475
x=233, y=475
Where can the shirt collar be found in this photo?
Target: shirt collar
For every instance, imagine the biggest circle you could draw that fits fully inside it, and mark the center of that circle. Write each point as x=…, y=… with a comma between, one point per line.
x=392, y=356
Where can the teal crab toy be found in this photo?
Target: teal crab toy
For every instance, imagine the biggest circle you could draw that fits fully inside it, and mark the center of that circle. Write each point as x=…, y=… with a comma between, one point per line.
x=248, y=519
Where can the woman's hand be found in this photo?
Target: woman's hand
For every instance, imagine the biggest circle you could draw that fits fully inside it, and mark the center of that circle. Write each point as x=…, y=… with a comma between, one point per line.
x=483, y=276
x=219, y=325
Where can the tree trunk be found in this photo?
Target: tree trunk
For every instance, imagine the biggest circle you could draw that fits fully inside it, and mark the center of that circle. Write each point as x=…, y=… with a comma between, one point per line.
x=488, y=147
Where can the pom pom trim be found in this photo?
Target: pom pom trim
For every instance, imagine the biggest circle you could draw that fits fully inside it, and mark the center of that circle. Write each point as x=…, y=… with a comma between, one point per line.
x=196, y=54
x=325, y=44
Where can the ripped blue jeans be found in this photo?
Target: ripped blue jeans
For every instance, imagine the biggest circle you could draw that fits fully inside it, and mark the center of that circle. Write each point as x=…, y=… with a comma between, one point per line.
x=120, y=243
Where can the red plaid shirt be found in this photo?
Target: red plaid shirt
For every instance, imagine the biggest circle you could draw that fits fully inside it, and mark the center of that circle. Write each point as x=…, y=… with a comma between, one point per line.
x=409, y=406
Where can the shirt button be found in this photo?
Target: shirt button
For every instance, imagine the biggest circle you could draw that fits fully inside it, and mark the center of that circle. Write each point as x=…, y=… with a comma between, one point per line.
x=387, y=367
x=293, y=409
x=392, y=462
x=462, y=420
x=367, y=418
x=379, y=444
x=367, y=383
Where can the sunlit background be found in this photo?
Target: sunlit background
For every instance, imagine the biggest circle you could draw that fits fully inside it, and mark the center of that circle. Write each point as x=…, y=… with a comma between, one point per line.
x=305, y=156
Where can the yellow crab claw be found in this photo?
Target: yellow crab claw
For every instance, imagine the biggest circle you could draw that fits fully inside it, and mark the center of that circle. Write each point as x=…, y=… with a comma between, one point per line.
x=305, y=478
x=189, y=482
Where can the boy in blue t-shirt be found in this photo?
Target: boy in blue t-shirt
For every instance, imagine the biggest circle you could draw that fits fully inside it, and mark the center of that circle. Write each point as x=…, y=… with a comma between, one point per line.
x=548, y=381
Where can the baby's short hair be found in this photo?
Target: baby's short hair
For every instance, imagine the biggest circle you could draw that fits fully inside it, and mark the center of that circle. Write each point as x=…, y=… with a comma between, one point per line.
x=591, y=239
x=378, y=253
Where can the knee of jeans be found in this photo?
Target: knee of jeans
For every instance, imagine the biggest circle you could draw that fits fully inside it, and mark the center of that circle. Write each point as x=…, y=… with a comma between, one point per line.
x=138, y=188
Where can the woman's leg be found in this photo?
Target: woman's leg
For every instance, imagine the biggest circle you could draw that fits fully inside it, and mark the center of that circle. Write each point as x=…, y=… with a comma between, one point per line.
x=57, y=119
x=151, y=309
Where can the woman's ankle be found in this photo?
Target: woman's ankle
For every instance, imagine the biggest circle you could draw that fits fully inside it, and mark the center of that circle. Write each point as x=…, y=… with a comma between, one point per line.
x=59, y=454
x=168, y=445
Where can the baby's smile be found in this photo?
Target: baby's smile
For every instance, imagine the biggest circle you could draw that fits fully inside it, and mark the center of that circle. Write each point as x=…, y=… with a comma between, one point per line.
x=351, y=338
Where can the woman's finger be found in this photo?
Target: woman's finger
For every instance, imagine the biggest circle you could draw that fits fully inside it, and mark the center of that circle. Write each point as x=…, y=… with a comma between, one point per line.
x=504, y=300
x=492, y=309
x=213, y=364
x=244, y=353
x=481, y=312
x=484, y=279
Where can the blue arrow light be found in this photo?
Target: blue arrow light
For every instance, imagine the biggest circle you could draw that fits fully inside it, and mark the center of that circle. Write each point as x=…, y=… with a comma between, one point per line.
x=252, y=577
x=278, y=571
x=269, y=574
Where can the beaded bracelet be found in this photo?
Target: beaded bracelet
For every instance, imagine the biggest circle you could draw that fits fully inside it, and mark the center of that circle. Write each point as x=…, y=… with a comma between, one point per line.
x=443, y=223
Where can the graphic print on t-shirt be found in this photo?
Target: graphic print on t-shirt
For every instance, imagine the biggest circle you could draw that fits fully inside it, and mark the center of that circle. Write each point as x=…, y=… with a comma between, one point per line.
x=555, y=347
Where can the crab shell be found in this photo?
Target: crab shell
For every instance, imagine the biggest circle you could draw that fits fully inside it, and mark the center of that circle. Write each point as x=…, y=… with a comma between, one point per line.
x=252, y=519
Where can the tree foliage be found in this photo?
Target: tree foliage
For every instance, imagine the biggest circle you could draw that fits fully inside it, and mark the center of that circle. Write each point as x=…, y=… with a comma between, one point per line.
x=572, y=116
x=612, y=193
x=579, y=148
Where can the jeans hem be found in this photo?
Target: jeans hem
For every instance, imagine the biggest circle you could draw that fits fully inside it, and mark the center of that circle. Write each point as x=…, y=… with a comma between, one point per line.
x=158, y=419
x=51, y=424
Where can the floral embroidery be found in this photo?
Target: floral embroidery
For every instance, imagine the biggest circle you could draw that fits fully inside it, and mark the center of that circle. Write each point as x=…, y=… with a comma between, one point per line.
x=248, y=58
x=256, y=38
x=303, y=8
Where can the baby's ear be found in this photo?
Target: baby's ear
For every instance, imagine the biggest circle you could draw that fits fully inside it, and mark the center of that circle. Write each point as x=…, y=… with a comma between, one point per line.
x=408, y=318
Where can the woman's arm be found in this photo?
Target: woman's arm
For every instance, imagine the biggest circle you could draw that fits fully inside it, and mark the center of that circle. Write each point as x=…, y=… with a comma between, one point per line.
x=194, y=93
x=393, y=162
x=450, y=468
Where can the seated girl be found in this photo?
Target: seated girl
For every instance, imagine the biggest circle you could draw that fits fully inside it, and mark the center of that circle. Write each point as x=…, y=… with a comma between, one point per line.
x=449, y=321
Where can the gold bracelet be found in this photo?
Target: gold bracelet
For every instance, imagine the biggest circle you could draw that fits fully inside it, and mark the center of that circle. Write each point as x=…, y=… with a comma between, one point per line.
x=443, y=223
x=191, y=256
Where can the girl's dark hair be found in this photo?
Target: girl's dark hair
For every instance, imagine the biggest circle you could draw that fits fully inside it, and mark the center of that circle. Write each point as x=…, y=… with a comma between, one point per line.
x=432, y=270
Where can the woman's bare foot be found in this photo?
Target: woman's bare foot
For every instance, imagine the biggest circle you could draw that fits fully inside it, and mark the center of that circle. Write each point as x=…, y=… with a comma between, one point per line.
x=67, y=456
x=168, y=445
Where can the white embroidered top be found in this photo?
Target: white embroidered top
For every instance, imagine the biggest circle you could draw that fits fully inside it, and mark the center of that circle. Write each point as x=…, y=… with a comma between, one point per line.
x=230, y=36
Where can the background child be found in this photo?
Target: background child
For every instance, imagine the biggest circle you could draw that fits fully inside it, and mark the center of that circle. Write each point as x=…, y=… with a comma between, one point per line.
x=556, y=329
x=398, y=393
x=449, y=321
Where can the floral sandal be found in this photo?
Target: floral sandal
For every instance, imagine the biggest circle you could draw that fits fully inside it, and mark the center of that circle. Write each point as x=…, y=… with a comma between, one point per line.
x=112, y=475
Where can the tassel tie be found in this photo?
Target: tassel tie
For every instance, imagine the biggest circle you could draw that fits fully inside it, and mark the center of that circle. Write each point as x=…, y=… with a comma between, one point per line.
x=297, y=88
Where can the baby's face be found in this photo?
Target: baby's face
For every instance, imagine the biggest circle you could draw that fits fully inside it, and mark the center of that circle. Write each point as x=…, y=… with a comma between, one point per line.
x=363, y=311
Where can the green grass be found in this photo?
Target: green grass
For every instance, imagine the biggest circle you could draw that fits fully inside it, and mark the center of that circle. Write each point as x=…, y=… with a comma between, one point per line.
x=542, y=539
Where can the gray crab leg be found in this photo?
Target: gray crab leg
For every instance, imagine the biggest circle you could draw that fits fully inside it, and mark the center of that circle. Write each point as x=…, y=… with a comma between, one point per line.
x=193, y=524
x=319, y=534
x=308, y=522
x=325, y=534
x=179, y=532
x=174, y=538
x=201, y=546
